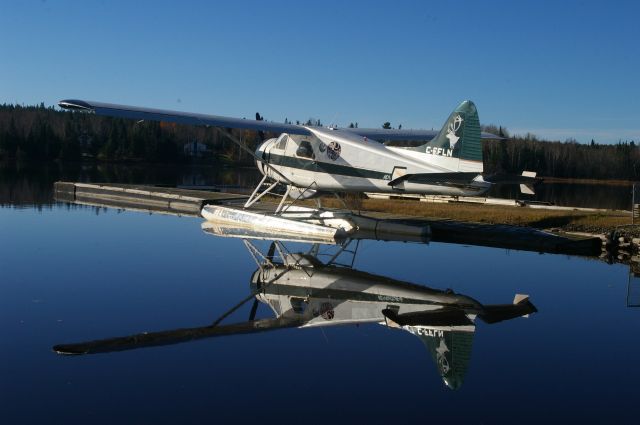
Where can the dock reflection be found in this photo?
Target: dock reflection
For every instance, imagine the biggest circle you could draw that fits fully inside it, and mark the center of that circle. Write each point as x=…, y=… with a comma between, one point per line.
x=315, y=288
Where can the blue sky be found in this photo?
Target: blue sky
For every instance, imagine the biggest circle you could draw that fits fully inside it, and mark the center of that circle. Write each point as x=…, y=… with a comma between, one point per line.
x=558, y=69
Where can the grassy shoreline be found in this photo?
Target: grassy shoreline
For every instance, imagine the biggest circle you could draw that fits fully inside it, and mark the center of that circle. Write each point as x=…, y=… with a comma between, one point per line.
x=596, y=222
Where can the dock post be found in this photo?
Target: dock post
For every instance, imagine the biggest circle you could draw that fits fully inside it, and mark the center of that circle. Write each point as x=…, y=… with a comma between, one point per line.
x=635, y=204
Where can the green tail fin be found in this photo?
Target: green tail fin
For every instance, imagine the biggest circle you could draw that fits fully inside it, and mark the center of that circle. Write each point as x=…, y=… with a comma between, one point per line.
x=451, y=352
x=460, y=135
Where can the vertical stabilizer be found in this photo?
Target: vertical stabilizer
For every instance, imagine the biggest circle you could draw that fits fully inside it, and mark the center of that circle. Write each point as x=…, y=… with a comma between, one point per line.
x=459, y=137
x=450, y=350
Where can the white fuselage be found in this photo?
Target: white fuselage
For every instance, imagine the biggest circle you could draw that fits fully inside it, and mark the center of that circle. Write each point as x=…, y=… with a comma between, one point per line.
x=333, y=160
x=351, y=295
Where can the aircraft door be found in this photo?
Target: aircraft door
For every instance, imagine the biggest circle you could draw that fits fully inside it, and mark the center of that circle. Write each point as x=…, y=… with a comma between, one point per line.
x=301, y=152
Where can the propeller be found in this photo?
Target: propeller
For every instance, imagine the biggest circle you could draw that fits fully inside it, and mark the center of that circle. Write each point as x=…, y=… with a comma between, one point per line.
x=260, y=133
x=242, y=146
x=269, y=256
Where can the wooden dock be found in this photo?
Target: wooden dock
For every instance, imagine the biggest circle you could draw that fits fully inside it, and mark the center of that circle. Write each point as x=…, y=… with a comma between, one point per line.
x=158, y=199
x=501, y=235
x=371, y=225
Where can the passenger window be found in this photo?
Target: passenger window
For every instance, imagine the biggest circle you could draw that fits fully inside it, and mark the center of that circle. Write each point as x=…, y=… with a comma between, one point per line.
x=305, y=150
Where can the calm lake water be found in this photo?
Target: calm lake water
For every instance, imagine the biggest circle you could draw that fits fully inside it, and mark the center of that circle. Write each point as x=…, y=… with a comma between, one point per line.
x=71, y=274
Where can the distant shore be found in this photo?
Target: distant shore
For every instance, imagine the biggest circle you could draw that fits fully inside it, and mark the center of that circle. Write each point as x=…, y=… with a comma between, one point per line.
x=611, y=182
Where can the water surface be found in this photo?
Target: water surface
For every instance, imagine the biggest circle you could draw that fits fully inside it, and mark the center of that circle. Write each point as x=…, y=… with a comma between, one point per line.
x=72, y=274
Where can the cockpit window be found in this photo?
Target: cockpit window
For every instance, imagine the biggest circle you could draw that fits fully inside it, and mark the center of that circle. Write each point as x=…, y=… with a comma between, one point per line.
x=282, y=142
x=298, y=305
x=275, y=305
x=305, y=150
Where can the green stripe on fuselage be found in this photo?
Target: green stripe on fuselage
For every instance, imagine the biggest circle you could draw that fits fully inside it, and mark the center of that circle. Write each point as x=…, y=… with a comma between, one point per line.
x=325, y=167
x=340, y=295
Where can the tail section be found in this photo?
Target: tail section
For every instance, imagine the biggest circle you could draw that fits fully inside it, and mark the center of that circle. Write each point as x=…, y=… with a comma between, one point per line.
x=459, y=138
x=450, y=350
x=447, y=334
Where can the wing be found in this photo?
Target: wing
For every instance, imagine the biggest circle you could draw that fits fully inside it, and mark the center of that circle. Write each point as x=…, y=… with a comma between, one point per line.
x=175, y=336
x=382, y=135
x=150, y=114
x=137, y=113
x=392, y=135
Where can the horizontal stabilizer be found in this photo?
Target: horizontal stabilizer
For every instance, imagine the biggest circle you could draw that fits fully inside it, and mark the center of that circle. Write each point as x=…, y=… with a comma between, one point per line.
x=527, y=181
x=527, y=177
x=521, y=307
x=441, y=317
x=449, y=179
x=527, y=189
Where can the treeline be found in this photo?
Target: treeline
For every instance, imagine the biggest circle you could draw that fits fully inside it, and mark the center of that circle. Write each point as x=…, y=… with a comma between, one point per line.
x=569, y=159
x=41, y=133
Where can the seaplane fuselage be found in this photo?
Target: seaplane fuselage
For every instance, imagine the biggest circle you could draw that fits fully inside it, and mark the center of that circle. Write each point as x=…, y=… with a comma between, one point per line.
x=337, y=160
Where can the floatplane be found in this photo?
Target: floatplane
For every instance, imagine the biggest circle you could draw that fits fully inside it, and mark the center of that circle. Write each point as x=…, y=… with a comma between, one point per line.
x=317, y=287
x=309, y=161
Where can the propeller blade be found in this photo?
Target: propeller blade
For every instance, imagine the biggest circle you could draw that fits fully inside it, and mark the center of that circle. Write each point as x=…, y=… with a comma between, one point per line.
x=272, y=250
x=254, y=309
x=242, y=146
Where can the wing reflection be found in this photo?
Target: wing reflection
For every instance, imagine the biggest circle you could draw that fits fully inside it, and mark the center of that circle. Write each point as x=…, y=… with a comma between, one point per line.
x=304, y=291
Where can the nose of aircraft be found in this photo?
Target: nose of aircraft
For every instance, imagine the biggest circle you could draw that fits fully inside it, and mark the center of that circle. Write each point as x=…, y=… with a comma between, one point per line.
x=260, y=150
x=261, y=155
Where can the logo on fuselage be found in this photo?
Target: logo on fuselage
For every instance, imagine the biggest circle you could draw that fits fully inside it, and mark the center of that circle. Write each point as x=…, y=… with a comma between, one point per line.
x=333, y=151
x=441, y=356
x=326, y=311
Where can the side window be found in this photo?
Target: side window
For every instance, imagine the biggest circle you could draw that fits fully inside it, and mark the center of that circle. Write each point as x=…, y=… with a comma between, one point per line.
x=305, y=150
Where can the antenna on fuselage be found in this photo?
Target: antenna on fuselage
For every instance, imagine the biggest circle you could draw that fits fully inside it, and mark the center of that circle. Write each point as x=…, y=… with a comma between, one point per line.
x=332, y=123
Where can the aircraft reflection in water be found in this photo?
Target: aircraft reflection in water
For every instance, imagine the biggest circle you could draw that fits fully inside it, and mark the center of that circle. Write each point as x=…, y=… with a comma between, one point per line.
x=304, y=291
